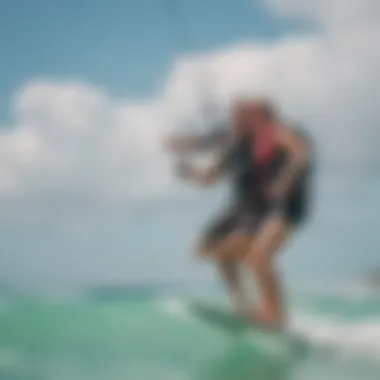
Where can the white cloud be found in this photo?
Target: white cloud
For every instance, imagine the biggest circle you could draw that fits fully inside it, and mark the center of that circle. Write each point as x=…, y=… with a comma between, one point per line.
x=73, y=138
x=70, y=139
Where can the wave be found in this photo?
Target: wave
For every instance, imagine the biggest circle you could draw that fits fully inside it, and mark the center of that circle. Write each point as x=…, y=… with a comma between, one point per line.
x=340, y=333
x=159, y=337
x=339, y=336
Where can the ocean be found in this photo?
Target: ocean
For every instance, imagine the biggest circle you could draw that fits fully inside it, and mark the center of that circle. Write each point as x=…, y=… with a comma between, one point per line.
x=144, y=336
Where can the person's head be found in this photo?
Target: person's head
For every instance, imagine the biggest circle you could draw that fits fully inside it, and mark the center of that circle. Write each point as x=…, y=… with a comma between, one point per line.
x=251, y=115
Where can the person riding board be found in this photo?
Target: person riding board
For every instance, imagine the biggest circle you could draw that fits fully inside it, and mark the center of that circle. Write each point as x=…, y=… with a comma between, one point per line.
x=268, y=164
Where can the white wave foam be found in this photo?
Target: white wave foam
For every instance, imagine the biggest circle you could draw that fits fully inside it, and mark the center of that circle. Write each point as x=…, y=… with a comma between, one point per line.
x=173, y=305
x=346, y=339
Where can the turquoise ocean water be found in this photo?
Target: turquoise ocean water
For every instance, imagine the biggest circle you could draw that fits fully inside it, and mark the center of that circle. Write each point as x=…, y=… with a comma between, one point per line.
x=142, y=336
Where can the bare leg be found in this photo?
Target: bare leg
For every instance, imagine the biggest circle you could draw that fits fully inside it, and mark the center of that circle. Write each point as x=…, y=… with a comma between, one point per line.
x=271, y=307
x=229, y=272
x=227, y=255
x=261, y=256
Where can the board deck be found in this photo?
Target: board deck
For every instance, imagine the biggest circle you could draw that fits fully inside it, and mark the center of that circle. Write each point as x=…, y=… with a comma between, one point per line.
x=226, y=319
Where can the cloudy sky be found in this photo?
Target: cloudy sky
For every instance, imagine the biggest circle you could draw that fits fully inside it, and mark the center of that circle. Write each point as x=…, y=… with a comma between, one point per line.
x=89, y=90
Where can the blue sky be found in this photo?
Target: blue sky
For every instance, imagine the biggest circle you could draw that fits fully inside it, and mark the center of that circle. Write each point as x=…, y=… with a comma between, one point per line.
x=88, y=91
x=125, y=46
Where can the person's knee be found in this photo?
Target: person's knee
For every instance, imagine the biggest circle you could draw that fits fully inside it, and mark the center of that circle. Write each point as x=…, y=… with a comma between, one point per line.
x=258, y=259
x=224, y=248
x=237, y=245
x=233, y=246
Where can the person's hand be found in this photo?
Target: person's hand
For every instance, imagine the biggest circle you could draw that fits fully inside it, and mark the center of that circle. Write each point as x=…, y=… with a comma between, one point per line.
x=177, y=144
x=184, y=169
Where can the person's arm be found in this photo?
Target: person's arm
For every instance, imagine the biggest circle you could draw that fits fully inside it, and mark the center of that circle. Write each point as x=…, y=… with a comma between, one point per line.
x=190, y=143
x=206, y=176
x=298, y=160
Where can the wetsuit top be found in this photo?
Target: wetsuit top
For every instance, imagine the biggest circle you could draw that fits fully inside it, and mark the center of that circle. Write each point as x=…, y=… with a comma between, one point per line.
x=252, y=166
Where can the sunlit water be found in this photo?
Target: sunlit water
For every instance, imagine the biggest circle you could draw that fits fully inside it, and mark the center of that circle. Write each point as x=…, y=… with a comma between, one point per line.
x=158, y=338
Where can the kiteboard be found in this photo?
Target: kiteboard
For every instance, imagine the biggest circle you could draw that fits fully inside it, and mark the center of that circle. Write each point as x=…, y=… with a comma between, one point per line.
x=228, y=320
x=238, y=325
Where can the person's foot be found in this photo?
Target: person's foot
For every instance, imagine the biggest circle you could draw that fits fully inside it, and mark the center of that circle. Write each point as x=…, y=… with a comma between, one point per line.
x=263, y=319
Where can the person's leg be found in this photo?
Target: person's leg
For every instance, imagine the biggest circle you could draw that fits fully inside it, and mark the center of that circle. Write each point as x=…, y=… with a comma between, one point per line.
x=229, y=271
x=266, y=243
x=226, y=253
x=232, y=246
x=221, y=244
